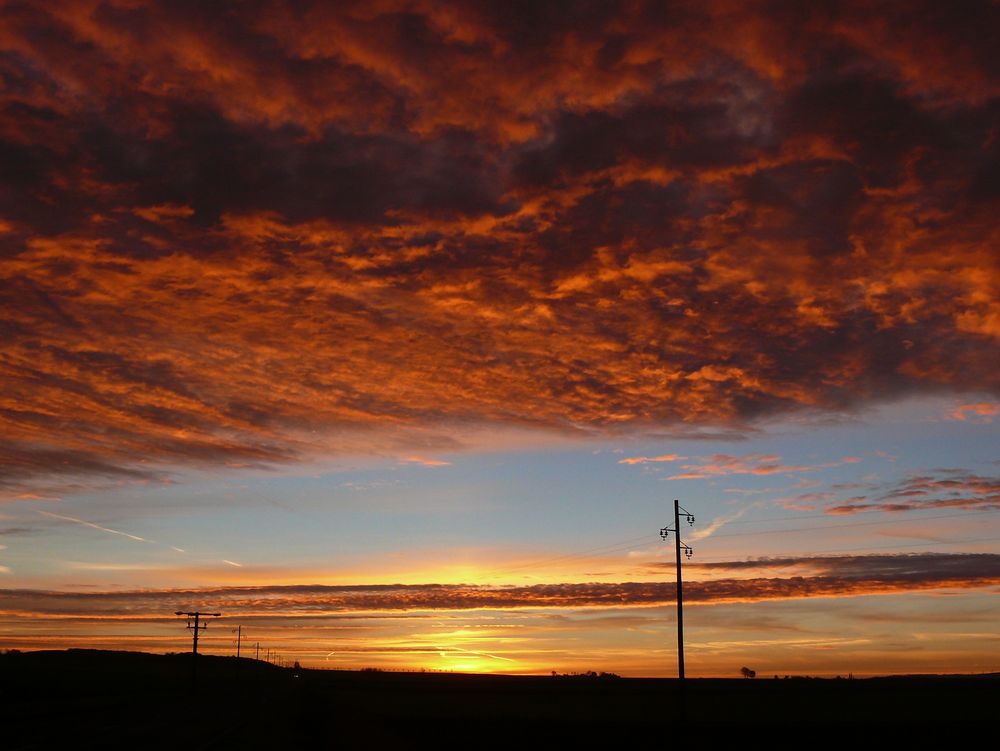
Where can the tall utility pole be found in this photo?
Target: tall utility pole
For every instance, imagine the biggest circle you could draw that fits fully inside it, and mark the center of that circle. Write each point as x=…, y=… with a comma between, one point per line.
x=195, y=628
x=239, y=640
x=688, y=551
x=258, y=651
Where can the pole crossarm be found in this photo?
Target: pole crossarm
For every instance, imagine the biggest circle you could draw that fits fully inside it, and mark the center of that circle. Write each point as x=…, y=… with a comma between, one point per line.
x=197, y=625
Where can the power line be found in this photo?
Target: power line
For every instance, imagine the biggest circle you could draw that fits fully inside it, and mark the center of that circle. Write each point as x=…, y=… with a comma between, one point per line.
x=801, y=517
x=625, y=544
x=577, y=554
x=807, y=553
x=854, y=524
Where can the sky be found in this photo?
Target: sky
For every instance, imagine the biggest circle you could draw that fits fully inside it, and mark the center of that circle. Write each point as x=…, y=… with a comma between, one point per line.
x=391, y=330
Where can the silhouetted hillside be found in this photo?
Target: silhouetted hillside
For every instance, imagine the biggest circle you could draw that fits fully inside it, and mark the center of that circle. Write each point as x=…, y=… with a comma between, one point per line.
x=94, y=699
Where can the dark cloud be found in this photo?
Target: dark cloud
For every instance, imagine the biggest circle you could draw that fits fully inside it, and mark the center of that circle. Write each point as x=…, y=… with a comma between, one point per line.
x=897, y=567
x=19, y=462
x=686, y=127
x=17, y=530
x=249, y=235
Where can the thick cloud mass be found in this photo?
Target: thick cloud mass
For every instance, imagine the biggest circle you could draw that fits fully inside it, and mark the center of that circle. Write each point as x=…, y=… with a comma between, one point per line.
x=244, y=234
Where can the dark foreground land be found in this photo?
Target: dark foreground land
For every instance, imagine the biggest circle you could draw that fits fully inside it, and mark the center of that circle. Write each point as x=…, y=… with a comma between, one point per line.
x=91, y=699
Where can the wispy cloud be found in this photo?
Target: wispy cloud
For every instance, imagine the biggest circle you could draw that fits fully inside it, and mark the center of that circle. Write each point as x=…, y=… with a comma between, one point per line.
x=946, y=488
x=424, y=462
x=651, y=459
x=805, y=501
x=719, y=465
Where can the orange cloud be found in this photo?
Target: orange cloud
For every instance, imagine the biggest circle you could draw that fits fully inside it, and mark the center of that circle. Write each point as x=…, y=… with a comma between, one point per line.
x=752, y=464
x=648, y=459
x=981, y=412
x=427, y=462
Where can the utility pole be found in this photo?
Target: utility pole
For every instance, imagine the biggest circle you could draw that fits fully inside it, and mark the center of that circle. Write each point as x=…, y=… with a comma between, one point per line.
x=688, y=551
x=257, y=657
x=239, y=640
x=195, y=628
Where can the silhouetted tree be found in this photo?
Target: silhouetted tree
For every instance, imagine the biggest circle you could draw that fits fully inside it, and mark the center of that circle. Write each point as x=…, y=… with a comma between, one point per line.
x=748, y=673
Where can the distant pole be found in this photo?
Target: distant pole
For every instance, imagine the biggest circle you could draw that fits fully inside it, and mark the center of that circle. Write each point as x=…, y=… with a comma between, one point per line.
x=257, y=656
x=239, y=640
x=678, y=546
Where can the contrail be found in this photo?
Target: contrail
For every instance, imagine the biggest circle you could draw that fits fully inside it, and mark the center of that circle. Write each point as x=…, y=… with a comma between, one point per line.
x=85, y=523
x=717, y=523
x=472, y=652
x=93, y=526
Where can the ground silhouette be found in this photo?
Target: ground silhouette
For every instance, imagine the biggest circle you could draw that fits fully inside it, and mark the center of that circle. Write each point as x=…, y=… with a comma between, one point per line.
x=95, y=699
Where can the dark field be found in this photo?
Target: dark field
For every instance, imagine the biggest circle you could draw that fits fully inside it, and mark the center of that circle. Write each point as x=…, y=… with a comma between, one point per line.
x=89, y=699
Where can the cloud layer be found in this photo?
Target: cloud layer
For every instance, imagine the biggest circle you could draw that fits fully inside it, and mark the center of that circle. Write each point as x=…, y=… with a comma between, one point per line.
x=806, y=577
x=246, y=237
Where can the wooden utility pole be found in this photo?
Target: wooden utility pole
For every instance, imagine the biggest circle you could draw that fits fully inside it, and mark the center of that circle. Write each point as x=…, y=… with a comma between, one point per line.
x=678, y=546
x=195, y=628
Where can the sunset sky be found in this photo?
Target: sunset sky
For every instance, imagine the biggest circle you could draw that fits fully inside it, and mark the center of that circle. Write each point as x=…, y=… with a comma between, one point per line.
x=392, y=329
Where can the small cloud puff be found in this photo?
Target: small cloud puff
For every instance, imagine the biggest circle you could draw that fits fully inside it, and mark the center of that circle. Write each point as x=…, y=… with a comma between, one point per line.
x=980, y=412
